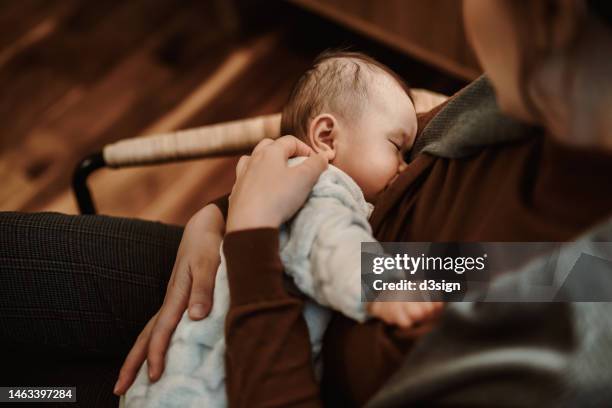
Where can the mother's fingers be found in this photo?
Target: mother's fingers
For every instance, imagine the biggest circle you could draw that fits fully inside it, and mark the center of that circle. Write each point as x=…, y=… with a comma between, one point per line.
x=134, y=359
x=168, y=318
x=291, y=146
x=263, y=143
x=241, y=166
x=310, y=169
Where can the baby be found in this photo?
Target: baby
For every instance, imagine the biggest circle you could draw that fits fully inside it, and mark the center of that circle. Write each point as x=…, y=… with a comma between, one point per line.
x=360, y=114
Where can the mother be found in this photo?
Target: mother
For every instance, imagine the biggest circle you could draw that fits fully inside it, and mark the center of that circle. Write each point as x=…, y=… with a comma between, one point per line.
x=474, y=175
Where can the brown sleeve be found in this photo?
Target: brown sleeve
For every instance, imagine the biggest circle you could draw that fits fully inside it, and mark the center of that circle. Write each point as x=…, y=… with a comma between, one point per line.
x=223, y=204
x=360, y=358
x=579, y=176
x=268, y=360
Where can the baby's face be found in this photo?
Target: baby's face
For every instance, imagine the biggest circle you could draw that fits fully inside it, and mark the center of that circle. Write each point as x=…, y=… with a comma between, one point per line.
x=369, y=149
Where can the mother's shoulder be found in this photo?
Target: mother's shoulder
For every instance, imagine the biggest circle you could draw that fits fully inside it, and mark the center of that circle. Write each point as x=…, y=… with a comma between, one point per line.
x=466, y=123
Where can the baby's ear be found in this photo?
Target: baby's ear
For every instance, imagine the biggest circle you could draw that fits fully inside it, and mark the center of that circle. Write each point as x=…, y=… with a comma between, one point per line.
x=322, y=134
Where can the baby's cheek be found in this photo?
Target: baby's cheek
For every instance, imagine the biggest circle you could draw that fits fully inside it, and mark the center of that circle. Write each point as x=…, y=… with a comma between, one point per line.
x=382, y=174
x=390, y=167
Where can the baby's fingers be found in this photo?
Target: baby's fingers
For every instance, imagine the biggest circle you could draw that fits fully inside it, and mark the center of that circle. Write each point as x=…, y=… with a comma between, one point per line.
x=422, y=311
x=392, y=313
x=401, y=317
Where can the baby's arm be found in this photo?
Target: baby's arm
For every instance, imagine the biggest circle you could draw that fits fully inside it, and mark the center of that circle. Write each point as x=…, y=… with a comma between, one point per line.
x=335, y=255
x=336, y=270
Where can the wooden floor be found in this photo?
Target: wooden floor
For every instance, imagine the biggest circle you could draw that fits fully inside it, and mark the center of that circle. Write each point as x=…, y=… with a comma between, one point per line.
x=76, y=75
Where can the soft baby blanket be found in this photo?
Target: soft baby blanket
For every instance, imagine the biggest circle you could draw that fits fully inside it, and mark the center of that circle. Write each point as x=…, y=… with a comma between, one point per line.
x=320, y=249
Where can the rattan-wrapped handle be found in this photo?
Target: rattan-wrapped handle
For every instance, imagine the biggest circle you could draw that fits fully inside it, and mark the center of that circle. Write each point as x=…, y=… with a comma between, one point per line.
x=214, y=140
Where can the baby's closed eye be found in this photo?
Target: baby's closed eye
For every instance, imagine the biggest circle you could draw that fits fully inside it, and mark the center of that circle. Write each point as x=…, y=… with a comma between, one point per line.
x=397, y=145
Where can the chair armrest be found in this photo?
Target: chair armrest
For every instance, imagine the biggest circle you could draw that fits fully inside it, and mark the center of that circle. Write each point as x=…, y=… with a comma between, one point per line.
x=207, y=141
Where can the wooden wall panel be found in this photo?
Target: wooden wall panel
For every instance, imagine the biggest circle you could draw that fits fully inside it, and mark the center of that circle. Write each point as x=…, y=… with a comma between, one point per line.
x=431, y=30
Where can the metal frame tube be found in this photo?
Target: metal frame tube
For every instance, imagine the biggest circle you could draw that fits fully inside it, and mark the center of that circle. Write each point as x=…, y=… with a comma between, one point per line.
x=79, y=181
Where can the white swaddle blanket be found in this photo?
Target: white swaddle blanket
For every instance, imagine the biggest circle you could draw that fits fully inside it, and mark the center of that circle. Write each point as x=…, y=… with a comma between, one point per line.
x=320, y=249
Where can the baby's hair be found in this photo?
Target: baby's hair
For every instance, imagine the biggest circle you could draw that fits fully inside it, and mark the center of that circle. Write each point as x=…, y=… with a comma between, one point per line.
x=336, y=81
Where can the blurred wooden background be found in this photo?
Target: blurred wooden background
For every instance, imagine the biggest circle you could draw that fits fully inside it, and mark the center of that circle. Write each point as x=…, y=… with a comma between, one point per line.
x=431, y=30
x=76, y=75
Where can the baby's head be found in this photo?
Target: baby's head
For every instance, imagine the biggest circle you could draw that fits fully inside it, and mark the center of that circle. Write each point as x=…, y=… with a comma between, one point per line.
x=358, y=112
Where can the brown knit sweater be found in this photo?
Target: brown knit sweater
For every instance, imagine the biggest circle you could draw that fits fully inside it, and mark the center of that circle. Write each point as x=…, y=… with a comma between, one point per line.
x=527, y=190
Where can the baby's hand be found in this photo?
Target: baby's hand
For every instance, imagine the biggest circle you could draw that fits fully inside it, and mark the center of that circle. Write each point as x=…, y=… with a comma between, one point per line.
x=404, y=314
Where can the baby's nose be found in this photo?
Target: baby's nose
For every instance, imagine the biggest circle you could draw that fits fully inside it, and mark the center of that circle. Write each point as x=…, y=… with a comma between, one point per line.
x=402, y=165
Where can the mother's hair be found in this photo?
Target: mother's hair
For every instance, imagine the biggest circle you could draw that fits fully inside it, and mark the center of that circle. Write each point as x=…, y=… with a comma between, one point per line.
x=552, y=49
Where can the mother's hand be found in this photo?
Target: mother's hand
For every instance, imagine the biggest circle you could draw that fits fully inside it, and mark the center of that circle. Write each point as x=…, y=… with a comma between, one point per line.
x=190, y=286
x=267, y=191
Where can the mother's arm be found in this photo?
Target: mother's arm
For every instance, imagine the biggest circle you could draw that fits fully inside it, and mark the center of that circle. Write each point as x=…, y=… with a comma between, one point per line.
x=268, y=359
